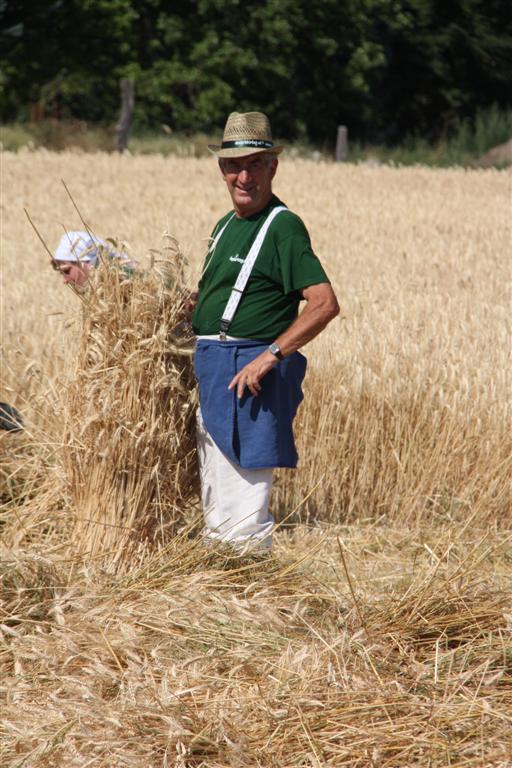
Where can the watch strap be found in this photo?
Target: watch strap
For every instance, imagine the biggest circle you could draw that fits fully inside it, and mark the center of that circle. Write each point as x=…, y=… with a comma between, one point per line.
x=275, y=349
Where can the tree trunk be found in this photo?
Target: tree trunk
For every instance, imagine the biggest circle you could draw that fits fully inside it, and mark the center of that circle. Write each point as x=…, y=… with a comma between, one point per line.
x=127, y=102
x=342, y=144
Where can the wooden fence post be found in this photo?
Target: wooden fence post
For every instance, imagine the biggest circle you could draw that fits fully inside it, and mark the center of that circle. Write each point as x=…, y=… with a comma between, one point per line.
x=342, y=144
x=127, y=102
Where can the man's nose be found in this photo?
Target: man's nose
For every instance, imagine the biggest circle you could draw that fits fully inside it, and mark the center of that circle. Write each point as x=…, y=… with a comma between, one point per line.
x=244, y=175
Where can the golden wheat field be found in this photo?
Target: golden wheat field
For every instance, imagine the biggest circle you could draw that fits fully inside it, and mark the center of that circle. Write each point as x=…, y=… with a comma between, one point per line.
x=379, y=633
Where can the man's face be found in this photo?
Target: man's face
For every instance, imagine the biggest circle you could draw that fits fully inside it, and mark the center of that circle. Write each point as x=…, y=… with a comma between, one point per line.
x=249, y=181
x=74, y=274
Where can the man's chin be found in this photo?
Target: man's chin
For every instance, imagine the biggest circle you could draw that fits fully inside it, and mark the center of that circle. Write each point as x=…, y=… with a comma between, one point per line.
x=245, y=198
x=246, y=205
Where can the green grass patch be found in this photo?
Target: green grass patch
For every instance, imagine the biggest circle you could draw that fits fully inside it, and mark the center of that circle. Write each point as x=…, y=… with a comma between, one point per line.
x=463, y=145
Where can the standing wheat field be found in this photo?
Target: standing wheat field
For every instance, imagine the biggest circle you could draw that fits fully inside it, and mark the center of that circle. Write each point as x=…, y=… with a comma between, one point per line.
x=379, y=633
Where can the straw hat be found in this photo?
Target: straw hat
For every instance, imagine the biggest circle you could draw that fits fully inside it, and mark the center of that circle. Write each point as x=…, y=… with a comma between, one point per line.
x=245, y=133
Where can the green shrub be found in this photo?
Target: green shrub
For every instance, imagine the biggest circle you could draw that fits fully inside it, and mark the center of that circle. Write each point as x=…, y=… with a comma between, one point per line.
x=463, y=144
x=15, y=136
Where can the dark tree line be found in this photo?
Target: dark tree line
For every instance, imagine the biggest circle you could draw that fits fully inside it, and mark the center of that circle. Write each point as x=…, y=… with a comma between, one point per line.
x=386, y=68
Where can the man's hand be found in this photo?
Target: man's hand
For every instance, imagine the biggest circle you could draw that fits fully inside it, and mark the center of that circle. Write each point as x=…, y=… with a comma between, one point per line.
x=252, y=373
x=321, y=307
x=191, y=301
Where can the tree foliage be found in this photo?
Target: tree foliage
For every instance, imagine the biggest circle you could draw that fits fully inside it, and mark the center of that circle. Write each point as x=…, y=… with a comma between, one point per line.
x=386, y=68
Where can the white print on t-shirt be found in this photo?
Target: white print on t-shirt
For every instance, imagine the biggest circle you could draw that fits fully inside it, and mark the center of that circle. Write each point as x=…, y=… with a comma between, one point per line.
x=237, y=258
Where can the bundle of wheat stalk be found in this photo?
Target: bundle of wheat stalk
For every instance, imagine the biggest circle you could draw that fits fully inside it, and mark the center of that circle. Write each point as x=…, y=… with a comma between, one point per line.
x=128, y=450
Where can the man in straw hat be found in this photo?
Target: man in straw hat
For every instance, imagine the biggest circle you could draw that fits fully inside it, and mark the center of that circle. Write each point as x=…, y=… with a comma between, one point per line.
x=259, y=267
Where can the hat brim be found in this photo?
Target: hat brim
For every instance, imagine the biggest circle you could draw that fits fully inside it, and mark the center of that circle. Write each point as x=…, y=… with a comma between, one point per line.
x=79, y=259
x=217, y=150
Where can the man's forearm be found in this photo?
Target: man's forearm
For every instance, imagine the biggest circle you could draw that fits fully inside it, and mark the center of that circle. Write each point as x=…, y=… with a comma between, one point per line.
x=312, y=320
x=321, y=307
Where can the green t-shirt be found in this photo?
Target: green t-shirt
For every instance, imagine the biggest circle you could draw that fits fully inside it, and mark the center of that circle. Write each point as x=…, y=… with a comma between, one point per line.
x=285, y=264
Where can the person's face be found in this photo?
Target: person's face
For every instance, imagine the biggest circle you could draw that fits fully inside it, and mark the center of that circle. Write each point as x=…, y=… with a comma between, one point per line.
x=249, y=181
x=74, y=274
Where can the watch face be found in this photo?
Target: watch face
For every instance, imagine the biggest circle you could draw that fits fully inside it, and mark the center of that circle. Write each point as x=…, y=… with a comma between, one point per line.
x=274, y=348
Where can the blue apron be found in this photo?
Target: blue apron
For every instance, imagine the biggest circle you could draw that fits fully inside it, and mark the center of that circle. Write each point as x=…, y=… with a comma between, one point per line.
x=254, y=432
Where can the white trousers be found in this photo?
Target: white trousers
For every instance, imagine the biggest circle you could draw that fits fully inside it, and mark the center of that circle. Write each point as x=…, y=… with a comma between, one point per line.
x=235, y=500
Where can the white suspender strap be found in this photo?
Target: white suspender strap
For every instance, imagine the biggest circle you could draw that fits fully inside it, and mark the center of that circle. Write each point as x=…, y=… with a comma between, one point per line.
x=245, y=272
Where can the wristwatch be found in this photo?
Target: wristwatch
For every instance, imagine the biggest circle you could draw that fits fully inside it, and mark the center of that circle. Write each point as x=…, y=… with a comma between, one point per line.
x=275, y=349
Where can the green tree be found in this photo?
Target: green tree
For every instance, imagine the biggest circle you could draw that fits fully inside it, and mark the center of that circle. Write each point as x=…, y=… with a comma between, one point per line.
x=67, y=55
x=444, y=60
x=385, y=68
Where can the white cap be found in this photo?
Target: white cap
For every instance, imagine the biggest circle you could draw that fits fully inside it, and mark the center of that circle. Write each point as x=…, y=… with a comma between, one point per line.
x=79, y=246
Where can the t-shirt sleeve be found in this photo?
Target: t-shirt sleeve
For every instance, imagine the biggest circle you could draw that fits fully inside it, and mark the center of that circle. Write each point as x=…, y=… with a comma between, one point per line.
x=299, y=267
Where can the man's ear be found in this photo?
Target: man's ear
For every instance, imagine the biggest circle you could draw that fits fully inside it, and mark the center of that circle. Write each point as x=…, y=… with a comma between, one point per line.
x=275, y=163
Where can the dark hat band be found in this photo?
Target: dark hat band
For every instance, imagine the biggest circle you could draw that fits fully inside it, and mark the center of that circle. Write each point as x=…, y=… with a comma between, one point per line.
x=259, y=143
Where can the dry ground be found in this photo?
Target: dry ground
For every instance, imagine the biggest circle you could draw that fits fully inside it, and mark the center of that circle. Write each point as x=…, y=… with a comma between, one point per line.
x=379, y=633
x=196, y=661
